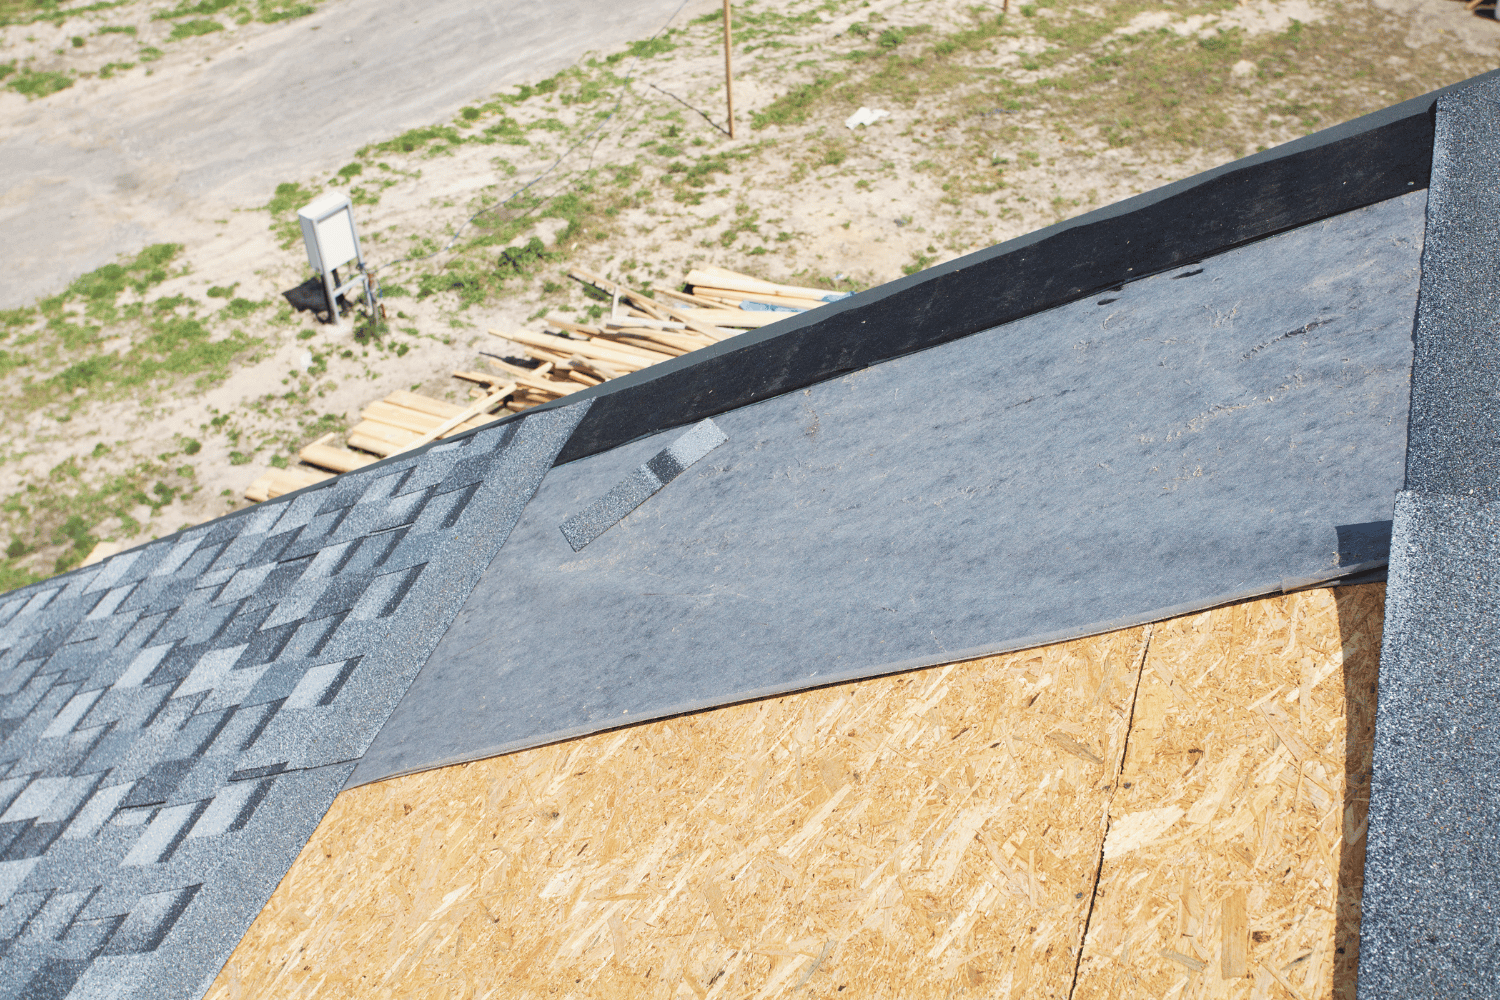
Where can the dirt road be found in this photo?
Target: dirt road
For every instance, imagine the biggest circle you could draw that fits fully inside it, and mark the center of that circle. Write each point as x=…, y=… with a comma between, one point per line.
x=108, y=166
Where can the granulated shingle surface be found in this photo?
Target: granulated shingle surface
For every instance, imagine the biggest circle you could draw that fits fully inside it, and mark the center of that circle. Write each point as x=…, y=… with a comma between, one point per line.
x=175, y=721
x=1188, y=439
x=1431, y=921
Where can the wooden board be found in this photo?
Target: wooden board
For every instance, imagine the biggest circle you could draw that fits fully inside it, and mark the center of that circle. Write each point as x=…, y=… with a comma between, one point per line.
x=1235, y=856
x=899, y=837
x=278, y=481
x=934, y=834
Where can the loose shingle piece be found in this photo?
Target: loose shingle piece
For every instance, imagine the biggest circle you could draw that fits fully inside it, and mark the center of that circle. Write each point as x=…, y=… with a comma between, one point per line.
x=175, y=721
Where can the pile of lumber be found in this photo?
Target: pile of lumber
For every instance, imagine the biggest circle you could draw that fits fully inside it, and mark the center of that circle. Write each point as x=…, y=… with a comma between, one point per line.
x=641, y=330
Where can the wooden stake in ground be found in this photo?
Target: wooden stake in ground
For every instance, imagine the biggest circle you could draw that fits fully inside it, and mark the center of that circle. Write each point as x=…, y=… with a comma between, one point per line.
x=728, y=72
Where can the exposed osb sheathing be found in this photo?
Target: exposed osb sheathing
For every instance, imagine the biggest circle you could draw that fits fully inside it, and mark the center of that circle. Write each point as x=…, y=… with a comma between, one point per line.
x=929, y=835
x=1235, y=855
x=889, y=837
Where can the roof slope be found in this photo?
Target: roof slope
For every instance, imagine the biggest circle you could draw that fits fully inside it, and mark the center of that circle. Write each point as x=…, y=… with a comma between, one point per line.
x=1431, y=914
x=1187, y=440
x=178, y=719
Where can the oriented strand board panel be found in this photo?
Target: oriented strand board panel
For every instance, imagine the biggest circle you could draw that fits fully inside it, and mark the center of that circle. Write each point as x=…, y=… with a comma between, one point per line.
x=905, y=836
x=1234, y=861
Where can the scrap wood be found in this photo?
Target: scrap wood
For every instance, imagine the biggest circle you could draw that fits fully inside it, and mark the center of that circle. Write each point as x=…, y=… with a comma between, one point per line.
x=646, y=331
x=482, y=407
x=643, y=302
x=400, y=416
x=745, y=319
x=330, y=457
x=615, y=355
x=734, y=299
x=720, y=277
x=650, y=306
x=279, y=481
x=688, y=298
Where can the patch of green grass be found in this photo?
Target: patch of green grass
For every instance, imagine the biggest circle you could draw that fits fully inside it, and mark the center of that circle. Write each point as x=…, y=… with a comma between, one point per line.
x=508, y=130
x=523, y=260
x=444, y=136
x=891, y=38
x=99, y=289
x=283, y=207
x=271, y=11
x=117, y=29
x=150, y=54
x=239, y=308
x=109, y=69
x=195, y=27
x=67, y=509
x=659, y=45
x=793, y=107
x=919, y=262
x=185, y=9
x=35, y=84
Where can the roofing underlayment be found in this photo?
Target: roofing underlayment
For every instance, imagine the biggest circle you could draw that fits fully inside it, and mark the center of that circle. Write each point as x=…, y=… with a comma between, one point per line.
x=1183, y=402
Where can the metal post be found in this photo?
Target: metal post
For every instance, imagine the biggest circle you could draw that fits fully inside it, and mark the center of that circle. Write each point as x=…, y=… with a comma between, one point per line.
x=728, y=71
x=330, y=289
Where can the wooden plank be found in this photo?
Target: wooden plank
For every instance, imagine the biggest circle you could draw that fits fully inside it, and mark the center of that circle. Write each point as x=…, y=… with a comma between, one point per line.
x=101, y=552
x=915, y=836
x=641, y=301
x=289, y=480
x=718, y=277
x=407, y=419
x=259, y=491
x=330, y=457
x=612, y=354
x=736, y=297
x=647, y=340
x=744, y=319
x=423, y=404
x=378, y=438
x=1223, y=847
x=687, y=298
x=468, y=413
x=280, y=481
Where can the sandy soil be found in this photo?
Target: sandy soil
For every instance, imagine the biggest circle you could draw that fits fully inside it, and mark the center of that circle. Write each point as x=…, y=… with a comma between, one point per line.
x=154, y=152
x=1010, y=130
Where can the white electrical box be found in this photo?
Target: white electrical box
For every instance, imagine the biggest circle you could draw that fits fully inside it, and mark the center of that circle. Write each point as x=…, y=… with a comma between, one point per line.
x=328, y=230
x=332, y=241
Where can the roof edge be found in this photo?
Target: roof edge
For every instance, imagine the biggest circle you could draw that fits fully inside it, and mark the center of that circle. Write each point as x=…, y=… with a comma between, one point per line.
x=1339, y=169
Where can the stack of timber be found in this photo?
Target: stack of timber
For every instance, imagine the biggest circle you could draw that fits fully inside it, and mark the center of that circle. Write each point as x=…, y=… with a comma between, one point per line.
x=640, y=330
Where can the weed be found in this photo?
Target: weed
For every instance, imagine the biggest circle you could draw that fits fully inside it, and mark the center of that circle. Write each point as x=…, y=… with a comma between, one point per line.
x=793, y=107
x=446, y=136
x=272, y=11
x=195, y=27
x=184, y=9
x=524, y=259
x=34, y=84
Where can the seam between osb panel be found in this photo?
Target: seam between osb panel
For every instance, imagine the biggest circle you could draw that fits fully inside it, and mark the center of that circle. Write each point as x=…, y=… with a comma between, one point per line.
x=1108, y=803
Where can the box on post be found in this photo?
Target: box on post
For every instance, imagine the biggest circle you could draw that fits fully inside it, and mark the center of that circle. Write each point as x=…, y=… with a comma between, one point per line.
x=332, y=241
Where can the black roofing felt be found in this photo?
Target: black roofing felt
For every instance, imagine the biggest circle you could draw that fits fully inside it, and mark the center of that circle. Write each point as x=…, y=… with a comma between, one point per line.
x=1191, y=439
x=1373, y=158
x=175, y=721
x=1431, y=924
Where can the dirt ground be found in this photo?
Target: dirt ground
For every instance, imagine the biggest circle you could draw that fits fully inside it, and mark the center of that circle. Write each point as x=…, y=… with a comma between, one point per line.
x=147, y=395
